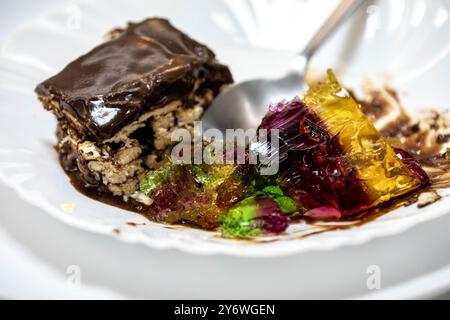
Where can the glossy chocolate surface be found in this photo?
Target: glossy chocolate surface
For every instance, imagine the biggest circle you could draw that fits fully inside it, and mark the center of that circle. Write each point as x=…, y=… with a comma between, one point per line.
x=146, y=66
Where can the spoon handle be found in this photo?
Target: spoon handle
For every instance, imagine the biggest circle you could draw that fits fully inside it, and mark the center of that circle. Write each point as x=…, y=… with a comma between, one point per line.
x=343, y=11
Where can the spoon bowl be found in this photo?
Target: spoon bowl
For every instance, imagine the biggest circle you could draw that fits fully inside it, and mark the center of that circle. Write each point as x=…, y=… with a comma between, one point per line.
x=244, y=105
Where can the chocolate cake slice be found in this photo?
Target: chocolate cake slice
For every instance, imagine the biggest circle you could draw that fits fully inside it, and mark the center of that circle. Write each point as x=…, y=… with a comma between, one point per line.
x=118, y=104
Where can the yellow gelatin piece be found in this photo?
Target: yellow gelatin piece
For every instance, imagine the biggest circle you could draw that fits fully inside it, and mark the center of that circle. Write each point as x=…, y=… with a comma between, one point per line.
x=380, y=170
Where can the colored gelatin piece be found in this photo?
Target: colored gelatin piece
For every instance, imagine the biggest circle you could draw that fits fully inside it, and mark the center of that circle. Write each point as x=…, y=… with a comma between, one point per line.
x=192, y=194
x=177, y=198
x=383, y=174
x=333, y=161
x=252, y=217
x=312, y=169
x=264, y=212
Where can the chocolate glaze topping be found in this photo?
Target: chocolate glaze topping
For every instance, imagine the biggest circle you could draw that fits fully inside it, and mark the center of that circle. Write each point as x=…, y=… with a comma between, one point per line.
x=146, y=66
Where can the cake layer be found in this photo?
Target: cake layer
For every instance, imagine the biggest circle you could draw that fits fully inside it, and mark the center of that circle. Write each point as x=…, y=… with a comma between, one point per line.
x=116, y=165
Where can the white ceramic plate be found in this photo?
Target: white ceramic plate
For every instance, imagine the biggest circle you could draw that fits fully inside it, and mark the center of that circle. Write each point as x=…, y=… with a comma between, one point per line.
x=256, y=38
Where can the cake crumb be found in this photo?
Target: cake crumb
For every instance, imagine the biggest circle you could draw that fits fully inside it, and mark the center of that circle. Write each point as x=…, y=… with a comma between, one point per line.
x=427, y=198
x=68, y=207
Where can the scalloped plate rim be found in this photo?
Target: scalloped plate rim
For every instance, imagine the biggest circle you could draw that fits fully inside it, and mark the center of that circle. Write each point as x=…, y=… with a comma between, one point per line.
x=258, y=250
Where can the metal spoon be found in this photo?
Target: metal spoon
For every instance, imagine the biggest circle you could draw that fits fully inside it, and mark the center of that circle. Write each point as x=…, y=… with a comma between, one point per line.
x=243, y=105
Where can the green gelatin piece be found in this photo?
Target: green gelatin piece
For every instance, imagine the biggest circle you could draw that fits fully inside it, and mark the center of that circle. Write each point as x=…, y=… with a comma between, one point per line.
x=154, y=179
x=239, y=221
x=275, y=193
x=287, y=205
x=199, y=174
